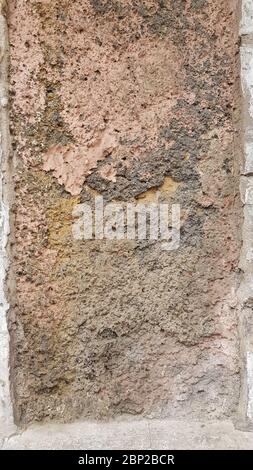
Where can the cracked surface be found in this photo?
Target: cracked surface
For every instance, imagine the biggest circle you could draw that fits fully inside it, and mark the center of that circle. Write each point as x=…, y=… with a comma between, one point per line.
x=132, y=101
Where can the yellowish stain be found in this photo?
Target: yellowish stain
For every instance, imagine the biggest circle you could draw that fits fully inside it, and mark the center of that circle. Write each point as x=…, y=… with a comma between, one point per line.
x=91, y=191
x=148, y=196
x=94, y=193
x=60, y=220
x=169, y=186
x=2, y=5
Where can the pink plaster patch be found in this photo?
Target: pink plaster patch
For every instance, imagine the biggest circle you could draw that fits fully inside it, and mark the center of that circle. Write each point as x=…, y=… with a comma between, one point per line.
x=71, y=164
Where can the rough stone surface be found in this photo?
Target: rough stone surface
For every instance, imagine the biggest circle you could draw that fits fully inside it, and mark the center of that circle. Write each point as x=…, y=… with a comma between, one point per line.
x=129, y=100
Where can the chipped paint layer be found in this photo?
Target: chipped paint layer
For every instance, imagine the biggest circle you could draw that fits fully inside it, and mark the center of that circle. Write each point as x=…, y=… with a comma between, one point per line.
x=71, y=165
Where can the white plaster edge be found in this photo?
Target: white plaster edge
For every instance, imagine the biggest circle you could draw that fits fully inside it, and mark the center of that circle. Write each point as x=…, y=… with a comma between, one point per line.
x=246, y=26
x=245, y=291
x=250, y=384
x=4, y=337
x=6, y=414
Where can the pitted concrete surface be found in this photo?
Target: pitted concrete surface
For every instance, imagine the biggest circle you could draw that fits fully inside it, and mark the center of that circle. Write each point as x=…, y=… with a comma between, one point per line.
x=141, y=434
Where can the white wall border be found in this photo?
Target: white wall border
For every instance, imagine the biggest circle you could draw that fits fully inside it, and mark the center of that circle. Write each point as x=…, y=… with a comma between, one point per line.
x=245, y=291
x=247, y=17
x=6, y=415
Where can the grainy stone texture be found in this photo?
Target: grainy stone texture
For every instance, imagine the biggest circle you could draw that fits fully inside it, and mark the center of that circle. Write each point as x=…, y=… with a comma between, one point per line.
x=133, y=101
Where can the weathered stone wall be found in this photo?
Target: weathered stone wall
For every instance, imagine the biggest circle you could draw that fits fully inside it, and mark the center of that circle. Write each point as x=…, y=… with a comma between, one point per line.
x=133, y=101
